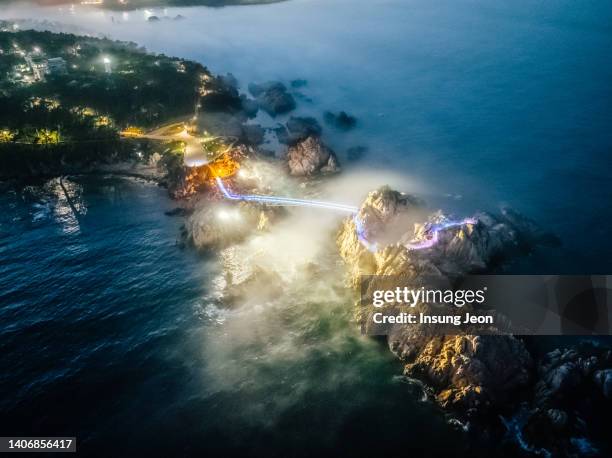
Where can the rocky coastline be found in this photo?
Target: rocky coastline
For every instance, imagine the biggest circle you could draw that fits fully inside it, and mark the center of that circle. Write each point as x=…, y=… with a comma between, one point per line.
x=554, y=402
x=488, y=382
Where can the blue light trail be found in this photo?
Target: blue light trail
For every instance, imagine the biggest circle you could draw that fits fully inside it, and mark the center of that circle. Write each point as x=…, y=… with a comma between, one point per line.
x=432, y=233
x=284, y=200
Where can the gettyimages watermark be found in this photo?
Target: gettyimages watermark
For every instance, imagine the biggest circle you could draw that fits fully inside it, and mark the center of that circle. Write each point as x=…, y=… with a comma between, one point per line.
x=487, y=304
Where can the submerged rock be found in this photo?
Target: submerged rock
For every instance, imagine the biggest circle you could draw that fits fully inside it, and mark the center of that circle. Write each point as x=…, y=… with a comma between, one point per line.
x=303, y=127
x=253, y=134
x=179, y=211
x=272, y=97
x=298, y=129
x=298, y=83
x=250, y=107
x=355, y=153
x=342, y=120
x=311, y=156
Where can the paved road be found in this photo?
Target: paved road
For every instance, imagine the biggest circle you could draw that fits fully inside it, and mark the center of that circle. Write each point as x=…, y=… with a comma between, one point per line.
x=194, y=153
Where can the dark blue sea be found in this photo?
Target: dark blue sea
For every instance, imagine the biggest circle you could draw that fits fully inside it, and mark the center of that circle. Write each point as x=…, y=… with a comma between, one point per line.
x=109, y=333
x=109, y=328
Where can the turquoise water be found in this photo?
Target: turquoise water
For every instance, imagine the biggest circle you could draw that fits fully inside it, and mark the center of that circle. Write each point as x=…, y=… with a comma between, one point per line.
x=109, y=330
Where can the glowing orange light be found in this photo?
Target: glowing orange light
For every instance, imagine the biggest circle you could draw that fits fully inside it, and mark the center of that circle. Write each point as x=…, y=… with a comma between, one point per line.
x=224, y=167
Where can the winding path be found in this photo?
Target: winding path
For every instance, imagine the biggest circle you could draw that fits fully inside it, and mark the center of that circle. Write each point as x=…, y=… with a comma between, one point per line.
x=195, y=155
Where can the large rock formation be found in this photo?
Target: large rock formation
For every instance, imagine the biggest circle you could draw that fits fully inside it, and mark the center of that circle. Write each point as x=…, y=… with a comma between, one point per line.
x=374, y=242
x=217, y=226
x=311, y=156
x=272, y=97
x=466, y=372
x=469, y=372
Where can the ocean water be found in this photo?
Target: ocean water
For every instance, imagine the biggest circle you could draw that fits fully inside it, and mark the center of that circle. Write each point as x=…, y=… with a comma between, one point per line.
x=488, y=102
x=112, y=332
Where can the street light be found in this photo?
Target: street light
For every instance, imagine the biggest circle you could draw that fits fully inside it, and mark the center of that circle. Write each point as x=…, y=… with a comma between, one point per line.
x=107, y=64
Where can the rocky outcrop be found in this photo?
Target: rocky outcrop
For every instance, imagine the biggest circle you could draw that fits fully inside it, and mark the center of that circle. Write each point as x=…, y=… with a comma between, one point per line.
x=238, y=291
x=310, y=157
x=603, y=379
x=562, y=372
x=272, y=97
x=231, y=125
x=218, y=226
x=466, y=372
x=298, y=129
x=388, y=220
x=471, y=372
x=571, y=401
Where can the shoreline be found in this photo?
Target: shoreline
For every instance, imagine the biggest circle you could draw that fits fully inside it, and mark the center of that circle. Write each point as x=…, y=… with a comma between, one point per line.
x=473, y=397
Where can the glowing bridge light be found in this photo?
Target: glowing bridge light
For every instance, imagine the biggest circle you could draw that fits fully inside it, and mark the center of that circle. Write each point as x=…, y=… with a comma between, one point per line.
x=286, y=201
x=227, y=215
x=362, y=236
x=433, y=233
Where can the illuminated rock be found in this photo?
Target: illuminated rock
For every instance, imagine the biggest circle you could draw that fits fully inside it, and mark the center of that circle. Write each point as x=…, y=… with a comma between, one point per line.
x=310, y=157
x=218, y=226
x=465, y=371
x=470, y=371
x=381, y=238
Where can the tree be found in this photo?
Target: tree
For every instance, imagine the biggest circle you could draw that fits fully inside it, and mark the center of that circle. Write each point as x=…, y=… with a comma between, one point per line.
x=6, y=136
x=47, y=137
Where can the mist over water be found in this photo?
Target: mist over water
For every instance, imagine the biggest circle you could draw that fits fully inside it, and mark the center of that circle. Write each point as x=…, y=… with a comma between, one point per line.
x=488, y=102
x=469, y=104
x=110, y=332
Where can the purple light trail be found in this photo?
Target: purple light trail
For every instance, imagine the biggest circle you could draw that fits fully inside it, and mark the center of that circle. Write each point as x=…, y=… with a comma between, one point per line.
x=284, y=200
x=432, y=233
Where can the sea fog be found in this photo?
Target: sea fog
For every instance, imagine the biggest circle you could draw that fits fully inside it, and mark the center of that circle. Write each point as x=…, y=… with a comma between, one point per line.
x=470, y=104
x=479, y=103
